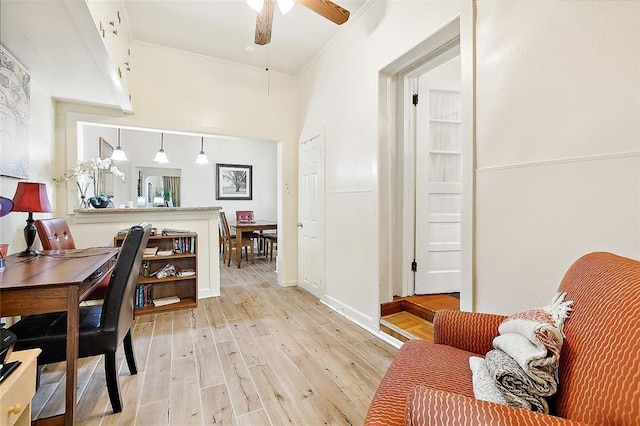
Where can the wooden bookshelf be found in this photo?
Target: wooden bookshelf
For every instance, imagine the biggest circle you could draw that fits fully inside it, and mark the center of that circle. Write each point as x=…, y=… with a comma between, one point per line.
x=184, y=258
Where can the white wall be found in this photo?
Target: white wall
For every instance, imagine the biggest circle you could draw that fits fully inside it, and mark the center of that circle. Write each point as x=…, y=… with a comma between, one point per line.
x=182, y=92
x=40, y=155
x=557, y=141
x=340, y=91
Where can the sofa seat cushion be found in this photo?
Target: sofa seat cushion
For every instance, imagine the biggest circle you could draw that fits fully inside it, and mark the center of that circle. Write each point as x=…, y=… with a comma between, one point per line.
x=419, y=363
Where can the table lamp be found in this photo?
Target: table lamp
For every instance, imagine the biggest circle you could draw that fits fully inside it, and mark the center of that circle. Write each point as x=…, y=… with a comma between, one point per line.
x=31, y=197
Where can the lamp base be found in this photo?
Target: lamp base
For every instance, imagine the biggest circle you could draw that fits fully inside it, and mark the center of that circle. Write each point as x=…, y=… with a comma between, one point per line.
x=28, y=252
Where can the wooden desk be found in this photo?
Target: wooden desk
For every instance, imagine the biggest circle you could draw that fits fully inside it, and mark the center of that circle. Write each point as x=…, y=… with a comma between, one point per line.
x=256, y=225
x=54, y=282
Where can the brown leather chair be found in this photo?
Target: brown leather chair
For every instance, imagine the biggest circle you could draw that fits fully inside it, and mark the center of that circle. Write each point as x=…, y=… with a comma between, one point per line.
x=101, y=327
x=55, y=234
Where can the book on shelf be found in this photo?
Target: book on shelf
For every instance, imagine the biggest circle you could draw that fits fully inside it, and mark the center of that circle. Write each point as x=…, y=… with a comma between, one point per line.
x=143, y=295
x=168, y=231
x=186, y=273
x=166, y=300
x=150, y=251
x=164, y=253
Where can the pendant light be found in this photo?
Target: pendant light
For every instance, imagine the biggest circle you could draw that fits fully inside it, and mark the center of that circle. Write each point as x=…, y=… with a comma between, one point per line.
x=202, y=157
x=118, y=154
x=161, y=156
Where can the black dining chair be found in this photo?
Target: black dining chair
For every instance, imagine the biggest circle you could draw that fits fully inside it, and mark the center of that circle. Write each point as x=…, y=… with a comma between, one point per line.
x=102, y=327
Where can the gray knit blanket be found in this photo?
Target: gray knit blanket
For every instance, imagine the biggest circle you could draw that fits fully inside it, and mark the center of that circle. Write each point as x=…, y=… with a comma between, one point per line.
x=522, y=369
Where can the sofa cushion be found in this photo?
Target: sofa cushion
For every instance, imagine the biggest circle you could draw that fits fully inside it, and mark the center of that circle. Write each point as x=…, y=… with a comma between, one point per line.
x=418, y=363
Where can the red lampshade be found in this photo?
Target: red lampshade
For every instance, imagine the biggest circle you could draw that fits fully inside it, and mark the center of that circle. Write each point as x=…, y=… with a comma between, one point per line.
x=31, y=197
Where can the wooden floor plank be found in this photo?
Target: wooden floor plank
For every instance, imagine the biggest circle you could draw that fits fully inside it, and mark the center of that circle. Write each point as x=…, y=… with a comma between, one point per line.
x=216, y=406
x=186, y=409
x=243, y=393
x=156, y=414
x=207, y=360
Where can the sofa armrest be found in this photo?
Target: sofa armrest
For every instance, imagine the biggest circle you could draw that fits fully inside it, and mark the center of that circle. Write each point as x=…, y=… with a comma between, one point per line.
x=469, y=331
x=428, y=406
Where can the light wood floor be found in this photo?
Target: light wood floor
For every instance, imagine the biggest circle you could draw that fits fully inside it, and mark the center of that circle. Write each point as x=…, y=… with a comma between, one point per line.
x=411, y=317
x=257, y=355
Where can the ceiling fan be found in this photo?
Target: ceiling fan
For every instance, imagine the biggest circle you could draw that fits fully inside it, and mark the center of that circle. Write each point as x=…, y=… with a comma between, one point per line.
x=264, y=21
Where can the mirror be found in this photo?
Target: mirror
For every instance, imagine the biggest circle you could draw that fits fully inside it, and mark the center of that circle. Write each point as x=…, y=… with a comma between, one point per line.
x=158, y=187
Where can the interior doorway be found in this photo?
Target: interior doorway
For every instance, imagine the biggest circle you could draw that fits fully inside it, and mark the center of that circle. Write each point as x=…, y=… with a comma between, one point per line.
x=426, y=205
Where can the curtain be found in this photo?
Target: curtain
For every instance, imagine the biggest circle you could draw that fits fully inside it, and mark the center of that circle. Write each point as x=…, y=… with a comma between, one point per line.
x=172, y=185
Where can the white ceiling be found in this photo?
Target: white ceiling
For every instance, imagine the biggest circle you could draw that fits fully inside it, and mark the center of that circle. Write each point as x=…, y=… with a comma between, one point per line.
x=222, y=29
x=44, y=36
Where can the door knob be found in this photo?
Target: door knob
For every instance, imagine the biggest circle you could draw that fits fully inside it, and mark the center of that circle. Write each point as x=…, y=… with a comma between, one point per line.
x=300, y=225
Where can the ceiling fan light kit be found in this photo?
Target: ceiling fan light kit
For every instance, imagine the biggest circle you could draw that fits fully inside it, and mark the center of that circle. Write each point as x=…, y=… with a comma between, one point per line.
x=264, y=21
x=284, y=5
x=256, y=5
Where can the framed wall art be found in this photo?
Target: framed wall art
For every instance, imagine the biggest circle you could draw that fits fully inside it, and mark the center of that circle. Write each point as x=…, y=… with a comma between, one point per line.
x=15, y=98
x=234, y=182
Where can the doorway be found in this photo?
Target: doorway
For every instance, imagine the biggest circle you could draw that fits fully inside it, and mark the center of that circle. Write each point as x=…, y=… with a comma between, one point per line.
x=438, y=178
x=426, y=182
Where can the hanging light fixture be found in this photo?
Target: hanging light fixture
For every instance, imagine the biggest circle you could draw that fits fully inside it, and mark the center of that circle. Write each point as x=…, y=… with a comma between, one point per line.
x=161, y=156
x=284, y=5
x=202, y=157
x=118, y=153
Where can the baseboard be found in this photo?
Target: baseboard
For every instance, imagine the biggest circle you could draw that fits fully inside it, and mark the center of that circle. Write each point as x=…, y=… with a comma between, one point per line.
x=356, y=318
x=206, y=293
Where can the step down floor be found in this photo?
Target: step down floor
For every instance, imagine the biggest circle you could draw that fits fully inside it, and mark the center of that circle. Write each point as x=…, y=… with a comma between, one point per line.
x=406, y=326
x=411, y=317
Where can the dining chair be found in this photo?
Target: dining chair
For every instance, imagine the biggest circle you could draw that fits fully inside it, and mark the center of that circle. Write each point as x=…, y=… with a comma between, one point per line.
x=231, y=241
x=247, y=216
x=271, y=240
x=55, y=234
x=101, y=327
x=244, y=215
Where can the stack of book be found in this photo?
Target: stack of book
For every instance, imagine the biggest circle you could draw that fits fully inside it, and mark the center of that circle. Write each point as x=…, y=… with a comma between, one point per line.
x=150, y=251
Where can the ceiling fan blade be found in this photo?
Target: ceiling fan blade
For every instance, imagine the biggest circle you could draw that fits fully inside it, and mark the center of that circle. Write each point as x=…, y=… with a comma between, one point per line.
x=264, y=21
x=328, y=9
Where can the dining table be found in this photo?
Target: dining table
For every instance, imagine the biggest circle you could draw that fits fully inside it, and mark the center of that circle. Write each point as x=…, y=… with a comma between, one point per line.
x=250, y=226
x=55, y=281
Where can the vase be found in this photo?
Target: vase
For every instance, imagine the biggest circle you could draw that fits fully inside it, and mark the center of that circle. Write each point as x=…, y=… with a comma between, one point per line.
x=84, y=204
x=100, y=202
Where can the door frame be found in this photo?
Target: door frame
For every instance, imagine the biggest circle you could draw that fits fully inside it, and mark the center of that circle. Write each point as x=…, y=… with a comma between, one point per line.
x=397, y=167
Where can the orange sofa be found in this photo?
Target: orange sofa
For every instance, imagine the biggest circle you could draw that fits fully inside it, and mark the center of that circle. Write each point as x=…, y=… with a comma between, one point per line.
x=599, y=373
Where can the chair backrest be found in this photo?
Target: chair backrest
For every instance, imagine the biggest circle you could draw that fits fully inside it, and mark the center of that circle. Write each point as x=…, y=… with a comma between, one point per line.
x=244, y=215
x=226, y=232
x=599, y=372
x=54, y=234
x=117, y=309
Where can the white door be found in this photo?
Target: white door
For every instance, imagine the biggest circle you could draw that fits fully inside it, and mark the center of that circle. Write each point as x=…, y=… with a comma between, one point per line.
x=438, y=187
x=311, y=255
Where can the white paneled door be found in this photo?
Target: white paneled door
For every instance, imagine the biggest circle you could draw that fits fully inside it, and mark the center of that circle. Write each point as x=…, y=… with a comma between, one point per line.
x=311, y=256
x=438, y=187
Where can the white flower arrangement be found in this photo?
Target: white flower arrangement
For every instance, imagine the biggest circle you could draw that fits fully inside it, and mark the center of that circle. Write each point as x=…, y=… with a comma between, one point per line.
x=94, y=169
